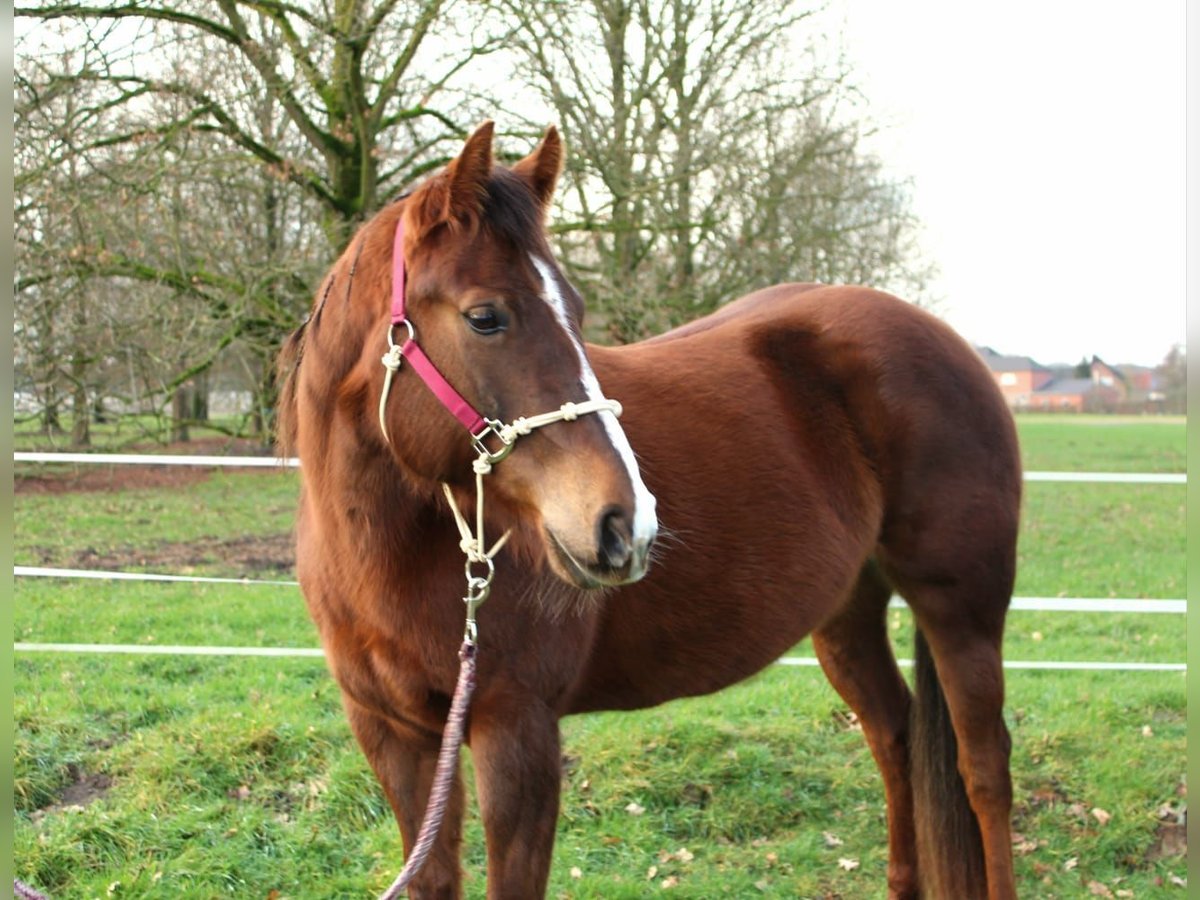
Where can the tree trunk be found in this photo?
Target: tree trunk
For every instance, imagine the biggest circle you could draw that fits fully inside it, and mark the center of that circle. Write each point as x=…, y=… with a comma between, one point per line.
x=262, y=420
x=81, y=409
x=200, y=397
x=48, y=373
x=180, y=406
x=51, y=423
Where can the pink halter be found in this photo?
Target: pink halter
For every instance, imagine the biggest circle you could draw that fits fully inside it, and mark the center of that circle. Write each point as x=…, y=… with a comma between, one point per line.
x=411, y=350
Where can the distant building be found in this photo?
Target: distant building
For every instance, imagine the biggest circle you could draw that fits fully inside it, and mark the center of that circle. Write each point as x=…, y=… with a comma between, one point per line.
x=1027, y=385
x=1018, y=377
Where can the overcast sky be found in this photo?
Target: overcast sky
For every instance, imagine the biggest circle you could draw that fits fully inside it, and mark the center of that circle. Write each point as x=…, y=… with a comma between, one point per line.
x=1045, y=141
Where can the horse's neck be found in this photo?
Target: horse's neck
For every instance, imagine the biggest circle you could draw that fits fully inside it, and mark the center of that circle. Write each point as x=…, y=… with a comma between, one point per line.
x=388, y=520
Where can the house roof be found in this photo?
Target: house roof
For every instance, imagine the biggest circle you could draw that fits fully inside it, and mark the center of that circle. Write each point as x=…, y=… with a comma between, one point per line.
x=998, y=363
x=1068, y=386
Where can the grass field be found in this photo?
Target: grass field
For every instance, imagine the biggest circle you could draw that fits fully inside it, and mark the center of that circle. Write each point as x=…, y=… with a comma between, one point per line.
x=214, y=777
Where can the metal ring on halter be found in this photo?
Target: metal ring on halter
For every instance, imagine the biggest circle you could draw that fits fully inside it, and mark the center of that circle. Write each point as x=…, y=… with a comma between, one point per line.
x=412, y=334
x=473, y=580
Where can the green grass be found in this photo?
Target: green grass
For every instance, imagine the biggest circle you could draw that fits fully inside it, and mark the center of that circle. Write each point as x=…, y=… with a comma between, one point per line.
x=54, y=611
x=239, y=777
x=1095, y=443
x=1102, y=540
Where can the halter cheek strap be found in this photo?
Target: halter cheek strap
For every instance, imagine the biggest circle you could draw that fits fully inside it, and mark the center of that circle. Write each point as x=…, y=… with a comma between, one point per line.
x=411, y=350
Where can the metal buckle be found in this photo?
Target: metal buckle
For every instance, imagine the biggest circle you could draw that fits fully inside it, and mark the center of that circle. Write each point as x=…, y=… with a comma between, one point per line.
x=493, y=427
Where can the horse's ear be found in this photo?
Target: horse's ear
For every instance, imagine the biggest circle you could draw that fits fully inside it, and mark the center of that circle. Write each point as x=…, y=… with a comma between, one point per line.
x=456, y=195
x=468, y=174
x=541, y=167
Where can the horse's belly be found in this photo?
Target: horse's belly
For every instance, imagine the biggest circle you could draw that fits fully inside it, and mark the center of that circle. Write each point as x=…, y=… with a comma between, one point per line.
x=689, y=631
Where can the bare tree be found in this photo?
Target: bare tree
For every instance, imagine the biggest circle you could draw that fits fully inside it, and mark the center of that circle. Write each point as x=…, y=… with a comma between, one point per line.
x=368, y=96
x=188, y=166
x=1171, y=375
x=701, y=138
x=230, y=147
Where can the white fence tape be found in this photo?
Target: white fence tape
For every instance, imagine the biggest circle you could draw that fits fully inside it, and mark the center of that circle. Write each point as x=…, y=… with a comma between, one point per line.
x=1099, y=604
x=1079, y=666
x=166, y=650
x=1111, y=477
x=106, y=575
x=1036, y=604
x=166, y=459
x=798, y=661
x=159, y=459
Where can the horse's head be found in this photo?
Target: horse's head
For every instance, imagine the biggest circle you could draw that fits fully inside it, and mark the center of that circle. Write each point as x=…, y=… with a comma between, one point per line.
x=491, y=309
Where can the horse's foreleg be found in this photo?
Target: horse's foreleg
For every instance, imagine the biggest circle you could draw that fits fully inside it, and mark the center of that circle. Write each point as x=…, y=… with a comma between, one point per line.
x=518, y=769
x=857, y=658
x=404, y=761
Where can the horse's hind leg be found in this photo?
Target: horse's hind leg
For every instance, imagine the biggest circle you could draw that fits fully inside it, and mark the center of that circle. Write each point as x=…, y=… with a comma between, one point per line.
x=855, y=653
x=404, y=761
x=965, y=646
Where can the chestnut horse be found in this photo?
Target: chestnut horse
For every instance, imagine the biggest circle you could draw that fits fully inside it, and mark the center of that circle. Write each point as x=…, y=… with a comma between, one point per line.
x=807, y=449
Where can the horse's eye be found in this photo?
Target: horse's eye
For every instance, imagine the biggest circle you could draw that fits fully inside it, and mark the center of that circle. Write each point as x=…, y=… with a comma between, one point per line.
x=486, y=320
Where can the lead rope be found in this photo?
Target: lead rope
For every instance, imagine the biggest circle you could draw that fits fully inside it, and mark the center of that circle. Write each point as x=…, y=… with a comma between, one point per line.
x=443, y=776
x=479, y=586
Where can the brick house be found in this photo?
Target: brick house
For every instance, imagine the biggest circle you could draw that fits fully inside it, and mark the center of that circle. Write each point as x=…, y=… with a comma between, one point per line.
x=1027, y=385
x=1017, y=376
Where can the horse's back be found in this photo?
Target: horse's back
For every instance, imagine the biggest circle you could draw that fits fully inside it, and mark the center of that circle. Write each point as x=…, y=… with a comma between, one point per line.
x=923, y=404
x=915, y=392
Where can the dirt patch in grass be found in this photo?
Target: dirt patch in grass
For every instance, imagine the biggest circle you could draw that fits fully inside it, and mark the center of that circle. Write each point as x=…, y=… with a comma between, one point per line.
x=63, y=478
x=84, y=789
x=1170, y=837
x=1170, y=840
x=99, y=478
x=87, y=788
x=239, y=557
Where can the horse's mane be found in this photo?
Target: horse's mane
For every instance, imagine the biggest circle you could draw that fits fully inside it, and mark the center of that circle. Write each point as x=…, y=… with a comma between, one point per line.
x=505, y=206
x=287, y=369
x=287, y=366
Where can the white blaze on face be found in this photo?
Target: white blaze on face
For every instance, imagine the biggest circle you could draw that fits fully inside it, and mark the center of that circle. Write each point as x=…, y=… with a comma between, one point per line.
x=645, y=520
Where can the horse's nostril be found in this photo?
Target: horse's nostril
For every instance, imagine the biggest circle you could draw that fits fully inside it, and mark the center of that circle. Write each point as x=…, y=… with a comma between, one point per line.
x=615, y=539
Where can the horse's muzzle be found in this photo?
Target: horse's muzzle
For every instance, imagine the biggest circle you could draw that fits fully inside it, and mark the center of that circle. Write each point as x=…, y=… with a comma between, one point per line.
x=619, y=556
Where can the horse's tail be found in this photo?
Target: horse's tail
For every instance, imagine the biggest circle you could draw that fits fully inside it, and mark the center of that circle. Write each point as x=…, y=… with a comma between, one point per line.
x=949, y=848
